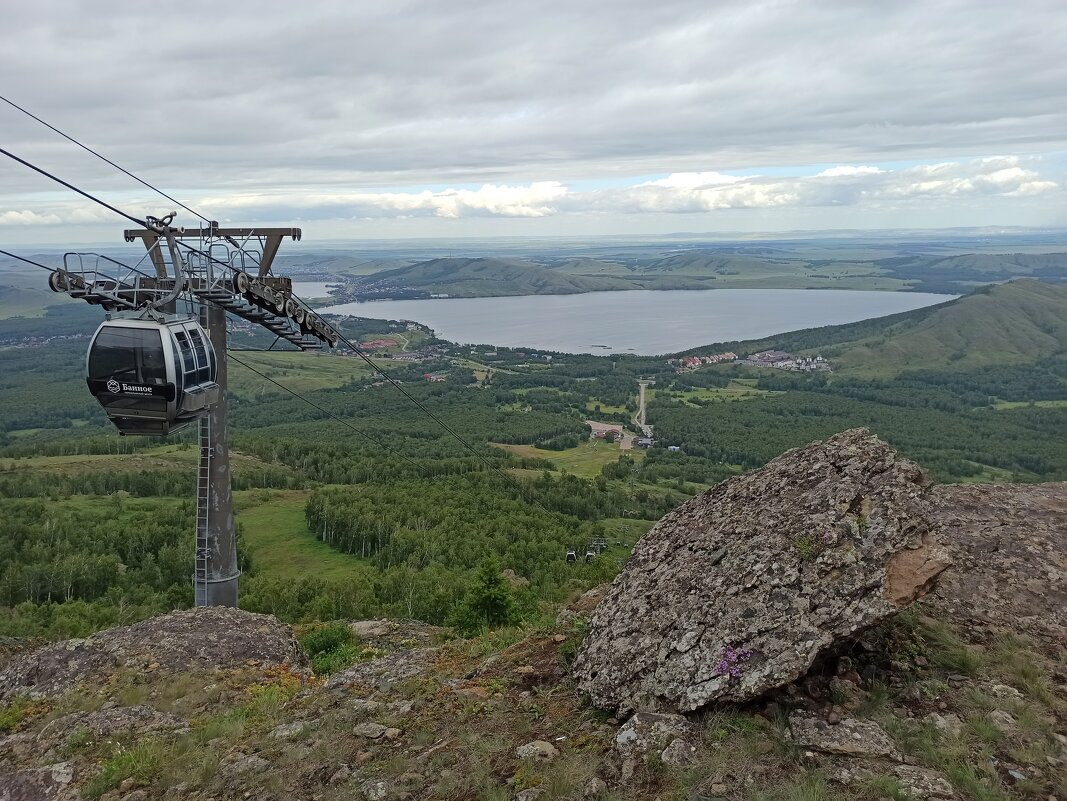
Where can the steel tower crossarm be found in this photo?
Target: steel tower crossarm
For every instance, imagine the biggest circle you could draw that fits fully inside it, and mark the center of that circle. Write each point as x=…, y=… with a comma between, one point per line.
x=272, y=240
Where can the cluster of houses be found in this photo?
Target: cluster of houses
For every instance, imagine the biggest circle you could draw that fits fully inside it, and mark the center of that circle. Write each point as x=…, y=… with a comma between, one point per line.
x=692, y=362
x=777, y=359
x=780, y=360
x=414, y=356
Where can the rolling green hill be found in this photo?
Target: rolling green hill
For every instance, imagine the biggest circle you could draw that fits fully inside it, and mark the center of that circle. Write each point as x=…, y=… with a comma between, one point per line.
x=957, y=273
x=704, y=268
x=1019, y=322
x=18, y=301
x=485, y=277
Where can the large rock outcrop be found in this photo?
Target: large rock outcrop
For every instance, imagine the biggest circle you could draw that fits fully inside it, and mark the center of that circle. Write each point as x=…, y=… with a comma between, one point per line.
x=739, y=590
x=1008, y=543
x=208, y=638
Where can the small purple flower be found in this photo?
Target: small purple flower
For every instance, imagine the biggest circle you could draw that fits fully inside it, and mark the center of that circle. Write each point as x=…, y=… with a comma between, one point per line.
x=827, y=537
x=730, y=661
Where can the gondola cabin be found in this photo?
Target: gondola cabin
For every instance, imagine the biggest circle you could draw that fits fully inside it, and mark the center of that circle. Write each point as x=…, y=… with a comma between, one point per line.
x=152, y=377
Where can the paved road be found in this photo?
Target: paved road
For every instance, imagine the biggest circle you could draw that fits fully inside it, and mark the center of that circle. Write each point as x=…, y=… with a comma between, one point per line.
x=639, y=418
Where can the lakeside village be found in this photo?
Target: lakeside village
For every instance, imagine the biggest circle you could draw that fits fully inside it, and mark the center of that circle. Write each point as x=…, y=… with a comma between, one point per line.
x=774, y=359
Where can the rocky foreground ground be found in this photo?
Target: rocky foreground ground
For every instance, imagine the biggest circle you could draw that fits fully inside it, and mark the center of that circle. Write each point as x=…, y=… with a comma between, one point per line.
x=961, y=695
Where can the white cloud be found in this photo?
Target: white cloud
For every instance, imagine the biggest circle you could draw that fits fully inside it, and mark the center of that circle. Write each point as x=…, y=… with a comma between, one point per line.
x=693, y=180
x=678, y=193
x=332, y=95
x=1004, y=179
x=846, y=171
x=27, y=218
x=1000, y=175
x=533, y=200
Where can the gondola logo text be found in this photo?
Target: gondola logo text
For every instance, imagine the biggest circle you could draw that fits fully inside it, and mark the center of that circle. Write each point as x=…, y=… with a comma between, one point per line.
x=115, y=386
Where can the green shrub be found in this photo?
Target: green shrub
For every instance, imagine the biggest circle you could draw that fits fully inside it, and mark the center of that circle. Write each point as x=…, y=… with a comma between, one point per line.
x=331, y=647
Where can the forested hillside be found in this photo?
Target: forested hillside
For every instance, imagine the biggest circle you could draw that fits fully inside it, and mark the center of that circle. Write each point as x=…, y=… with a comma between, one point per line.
x=700, y=267
x=389, y=515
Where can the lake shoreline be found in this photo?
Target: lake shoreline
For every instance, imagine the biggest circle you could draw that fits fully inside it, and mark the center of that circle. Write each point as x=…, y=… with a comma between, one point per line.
x=644, y=322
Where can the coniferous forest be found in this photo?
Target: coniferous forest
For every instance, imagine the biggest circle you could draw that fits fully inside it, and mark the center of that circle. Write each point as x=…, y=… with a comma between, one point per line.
x=388, y=515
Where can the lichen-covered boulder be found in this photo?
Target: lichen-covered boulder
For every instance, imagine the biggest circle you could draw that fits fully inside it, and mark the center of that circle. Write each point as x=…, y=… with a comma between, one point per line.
x=206, y=638
x=739, y=590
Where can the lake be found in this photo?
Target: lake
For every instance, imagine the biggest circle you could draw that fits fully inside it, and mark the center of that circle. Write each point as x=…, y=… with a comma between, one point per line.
x=313, y=289
x=644, y=322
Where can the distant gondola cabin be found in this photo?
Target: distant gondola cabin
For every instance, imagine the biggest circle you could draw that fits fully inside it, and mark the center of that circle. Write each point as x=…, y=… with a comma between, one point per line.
x=152, y=377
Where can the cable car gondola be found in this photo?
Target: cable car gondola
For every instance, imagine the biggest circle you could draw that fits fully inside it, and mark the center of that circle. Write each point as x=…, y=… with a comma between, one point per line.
x=152, y=376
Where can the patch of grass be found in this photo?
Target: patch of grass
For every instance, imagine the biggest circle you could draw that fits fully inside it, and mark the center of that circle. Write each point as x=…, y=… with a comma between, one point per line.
x=77, y=740
x=266, y=699
x=808, y=546
x=567, y=776
x=1017, y=661
x=132, y=695
x=876, y=701
x=879, y=787
x=302, y=372
x=14, y=713
x=981, y=727
x=569, y=647
x=811, y=786
x=332, y=647
x=584, y=461
x=276, y=535
x=975, y=784
x=947, y=650
x=966, y=760
x=492, y=642
x=141, y=762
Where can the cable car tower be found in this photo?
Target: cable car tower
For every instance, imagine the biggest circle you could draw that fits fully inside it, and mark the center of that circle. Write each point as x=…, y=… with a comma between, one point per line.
x=157, y=363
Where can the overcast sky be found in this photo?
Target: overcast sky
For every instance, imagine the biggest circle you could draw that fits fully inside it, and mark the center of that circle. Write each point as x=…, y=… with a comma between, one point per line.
x=394, y=119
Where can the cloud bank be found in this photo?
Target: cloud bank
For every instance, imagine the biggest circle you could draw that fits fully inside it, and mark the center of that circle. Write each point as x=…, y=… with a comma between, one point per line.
x=678, y=193
x=451, y=111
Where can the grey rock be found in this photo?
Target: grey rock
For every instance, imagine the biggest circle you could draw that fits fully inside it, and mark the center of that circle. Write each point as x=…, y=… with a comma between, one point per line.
x=922, y=784
x=98, y=724
x=595, y=788
x=54, y=783
x=648, y=731
x=1004, y=720
x=385, y=671
x=946, y=724
x=244, y=764
x=376, y=790
x=287, y=730
x=363, y=705
x=530, y=794
x=679, y=752
x=371, y=731
x=539, y=750
x=136, y=795
x=850, y=737
x=341, y=775
x=212, y=637
x=820, y=544
x=1005, y=692
x=1008, y=544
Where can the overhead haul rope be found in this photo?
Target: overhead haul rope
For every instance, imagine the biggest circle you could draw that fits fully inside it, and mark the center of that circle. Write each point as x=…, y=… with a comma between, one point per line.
x=341, y=420
x=359, y=352
x=53, y=269
x=70, y=138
